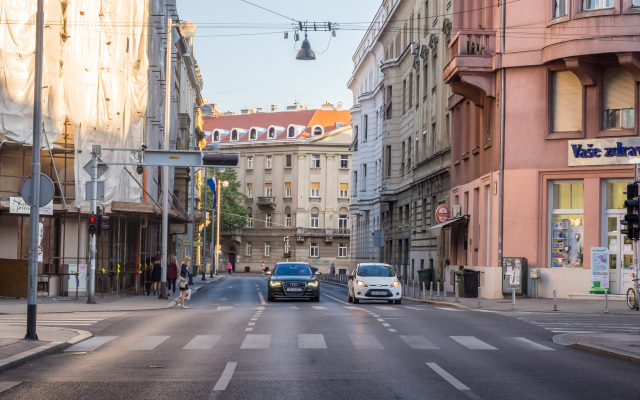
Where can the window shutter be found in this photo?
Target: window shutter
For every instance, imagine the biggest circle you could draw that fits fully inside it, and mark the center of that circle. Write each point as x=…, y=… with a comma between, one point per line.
x=315, y=185
x=344, y=186
x=567, y=102
x=618, y=89
x=287, y=185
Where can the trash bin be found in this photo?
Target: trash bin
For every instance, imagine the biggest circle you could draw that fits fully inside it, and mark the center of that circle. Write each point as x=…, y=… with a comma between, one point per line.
x=425, y=275
x=470, y=282
x=194, y=270
x=460, y=282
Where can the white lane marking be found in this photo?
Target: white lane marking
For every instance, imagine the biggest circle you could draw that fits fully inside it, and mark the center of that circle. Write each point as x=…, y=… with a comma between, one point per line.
x=381, y=319
x=368, y=342
x=261, y=298
x=414, y=308
x=254, y=319
x=201, y=342
x=311, y=341
x=472, y=343
x=392, y=330
x=528, y=344
x=334, y=298
x=251, y=324
x=91, y=343
x=223, y=308
x=248, y=329
x=226, y=376
x=319, y=307
x=448, y=377
x=449, y=309
x=385, y=324
x=256, y=341
x=149, y=342
x=386, y=308
x=419, y=342
x=354, y=308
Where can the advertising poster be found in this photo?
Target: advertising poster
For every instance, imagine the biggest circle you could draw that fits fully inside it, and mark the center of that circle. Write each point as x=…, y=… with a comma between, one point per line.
x=599, y=270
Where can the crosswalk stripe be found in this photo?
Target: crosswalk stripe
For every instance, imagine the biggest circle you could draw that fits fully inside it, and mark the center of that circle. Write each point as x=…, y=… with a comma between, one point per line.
x=528, y=344
x=202, y=342
x=91, y=344
x=319, y=307
x=223, y=308
x=256, y=341
x=386, y=308
x=311, y=341
x=414, y=308
x=449, y=309
x=418, y=342
x=149, y=342
x=472, y=343
x=368, y=342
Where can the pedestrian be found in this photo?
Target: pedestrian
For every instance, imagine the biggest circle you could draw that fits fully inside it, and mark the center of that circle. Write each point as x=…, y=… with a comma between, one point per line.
x=263, y=268
x=333, y=270
x=172, y=275
x=182, y=282
x=156, y=274
x=229, y=267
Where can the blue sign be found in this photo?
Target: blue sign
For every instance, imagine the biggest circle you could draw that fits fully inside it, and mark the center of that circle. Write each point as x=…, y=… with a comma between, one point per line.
x=604, y=151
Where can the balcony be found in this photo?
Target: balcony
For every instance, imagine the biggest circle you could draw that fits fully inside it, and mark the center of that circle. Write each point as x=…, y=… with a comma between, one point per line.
x=266, y=202
x=470, y=68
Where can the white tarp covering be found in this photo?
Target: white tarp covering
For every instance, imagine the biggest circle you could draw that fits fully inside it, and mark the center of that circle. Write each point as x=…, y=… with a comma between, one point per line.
x=95, y=75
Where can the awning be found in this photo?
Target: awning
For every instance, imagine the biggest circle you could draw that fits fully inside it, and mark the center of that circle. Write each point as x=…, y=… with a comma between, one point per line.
x=436, y=228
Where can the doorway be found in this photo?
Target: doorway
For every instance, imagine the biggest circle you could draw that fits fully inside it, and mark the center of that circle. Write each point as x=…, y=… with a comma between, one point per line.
x=620, y=255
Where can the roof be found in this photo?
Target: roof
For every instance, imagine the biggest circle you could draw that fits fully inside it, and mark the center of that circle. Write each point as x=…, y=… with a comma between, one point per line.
x=303, y=121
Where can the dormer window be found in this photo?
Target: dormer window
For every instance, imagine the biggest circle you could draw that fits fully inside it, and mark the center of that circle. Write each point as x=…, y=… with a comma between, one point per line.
x=253, y=134
x=272, y=133
x=292, y=132
x=216, y=136
x=234, y=135
x=318, y=130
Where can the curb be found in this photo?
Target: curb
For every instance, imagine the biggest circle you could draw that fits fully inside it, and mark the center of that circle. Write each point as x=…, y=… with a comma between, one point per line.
x=596, y=349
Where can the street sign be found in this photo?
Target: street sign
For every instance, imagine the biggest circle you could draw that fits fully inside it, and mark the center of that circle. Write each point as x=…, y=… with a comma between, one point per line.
x=89, y=190
x=46, y=191
x=102, y=168
x=174, y=158
x=442, y=213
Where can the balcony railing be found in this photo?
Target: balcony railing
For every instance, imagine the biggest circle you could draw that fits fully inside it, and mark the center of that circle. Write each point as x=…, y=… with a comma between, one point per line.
x=473, y=42
x=266, y=201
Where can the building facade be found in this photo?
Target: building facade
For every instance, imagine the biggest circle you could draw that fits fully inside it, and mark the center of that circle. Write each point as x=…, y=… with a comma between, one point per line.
x=295, y=170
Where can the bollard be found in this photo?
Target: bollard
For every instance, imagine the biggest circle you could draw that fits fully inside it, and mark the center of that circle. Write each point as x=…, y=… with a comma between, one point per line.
x=513, y=298
x=555, y=302
x=479, y=297
x=438, y=291
x=444, y=292
x=431, y=290
x=606, y=301
x=456, y=291
x=424, y=294
x=414, y=289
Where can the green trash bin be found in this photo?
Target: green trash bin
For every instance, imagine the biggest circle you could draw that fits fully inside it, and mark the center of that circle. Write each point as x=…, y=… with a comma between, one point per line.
x=194, y=270
x=425, y=275
x=460, y=282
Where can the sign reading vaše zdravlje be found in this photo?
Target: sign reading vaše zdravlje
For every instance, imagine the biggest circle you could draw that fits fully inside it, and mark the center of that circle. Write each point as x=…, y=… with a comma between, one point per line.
x=604, y=151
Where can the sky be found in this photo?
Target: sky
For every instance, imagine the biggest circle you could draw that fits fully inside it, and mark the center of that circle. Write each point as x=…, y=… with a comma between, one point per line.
x=246, y=62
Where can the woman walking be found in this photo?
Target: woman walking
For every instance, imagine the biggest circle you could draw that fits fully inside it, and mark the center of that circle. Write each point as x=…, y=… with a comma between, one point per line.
x=182, y=282
x=172, y=275
x=156, y=274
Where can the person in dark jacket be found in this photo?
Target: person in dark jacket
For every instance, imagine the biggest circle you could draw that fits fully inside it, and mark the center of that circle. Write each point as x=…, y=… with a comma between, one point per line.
x=172, y=275
x=156, y=274
x=184, y=273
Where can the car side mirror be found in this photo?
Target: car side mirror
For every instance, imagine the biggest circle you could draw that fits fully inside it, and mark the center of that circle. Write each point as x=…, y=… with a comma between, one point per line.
x=268, y=272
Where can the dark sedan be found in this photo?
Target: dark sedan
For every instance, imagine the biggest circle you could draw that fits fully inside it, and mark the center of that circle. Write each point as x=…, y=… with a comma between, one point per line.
x=293, y=280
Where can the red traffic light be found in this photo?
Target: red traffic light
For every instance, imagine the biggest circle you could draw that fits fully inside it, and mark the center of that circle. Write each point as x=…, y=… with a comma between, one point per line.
x=93, y=224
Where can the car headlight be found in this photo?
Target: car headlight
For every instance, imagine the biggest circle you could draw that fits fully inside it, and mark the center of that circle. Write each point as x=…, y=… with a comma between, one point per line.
x=313, y=283
x=361, y=283
x=275, y=283
x=395, y=283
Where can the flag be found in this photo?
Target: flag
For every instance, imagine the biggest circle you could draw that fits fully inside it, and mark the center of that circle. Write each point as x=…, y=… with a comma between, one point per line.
x=212, y=184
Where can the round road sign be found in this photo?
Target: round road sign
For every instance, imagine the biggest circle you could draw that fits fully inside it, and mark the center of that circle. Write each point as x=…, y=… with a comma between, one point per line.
x=442, y=213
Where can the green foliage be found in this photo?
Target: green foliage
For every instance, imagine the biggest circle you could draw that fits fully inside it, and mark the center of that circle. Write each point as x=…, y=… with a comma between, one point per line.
x=233, y=214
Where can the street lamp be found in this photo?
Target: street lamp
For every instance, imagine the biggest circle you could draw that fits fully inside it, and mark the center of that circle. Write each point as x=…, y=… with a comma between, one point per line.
x=220, y=185
x=187, y=30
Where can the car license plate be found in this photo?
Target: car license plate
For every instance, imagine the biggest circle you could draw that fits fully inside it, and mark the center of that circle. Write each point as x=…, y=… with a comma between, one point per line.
x=295, y=289
x=378, y=293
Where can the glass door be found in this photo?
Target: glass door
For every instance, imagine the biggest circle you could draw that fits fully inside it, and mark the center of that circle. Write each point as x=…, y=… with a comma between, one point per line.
x=620, y=256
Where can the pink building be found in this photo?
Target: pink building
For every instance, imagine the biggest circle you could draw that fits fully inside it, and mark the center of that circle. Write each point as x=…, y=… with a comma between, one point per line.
x=568, y=71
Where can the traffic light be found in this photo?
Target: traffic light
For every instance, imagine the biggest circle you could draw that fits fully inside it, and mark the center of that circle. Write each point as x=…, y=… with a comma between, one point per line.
x=287, y=254
x=631, y=219
x=103, y=223
x=216, y=159
x=93, y=224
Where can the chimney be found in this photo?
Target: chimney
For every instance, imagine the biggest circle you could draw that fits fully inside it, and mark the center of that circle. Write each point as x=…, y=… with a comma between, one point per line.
x=245, y=111
x=274, y=108
x=229, y=113
x=306, y=106
x=254, y=110
x=327, y=106
x=339, y=105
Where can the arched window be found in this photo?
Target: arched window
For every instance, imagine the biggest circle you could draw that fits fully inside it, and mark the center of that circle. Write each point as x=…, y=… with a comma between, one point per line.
x=318, y=130
x=272, y=133
x=292, y=132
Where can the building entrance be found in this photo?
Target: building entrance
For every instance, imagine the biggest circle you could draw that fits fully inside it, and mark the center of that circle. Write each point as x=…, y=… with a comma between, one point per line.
x=620, y=255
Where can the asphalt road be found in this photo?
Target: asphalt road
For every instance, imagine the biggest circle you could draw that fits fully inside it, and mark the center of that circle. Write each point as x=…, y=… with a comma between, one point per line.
x=232, y=344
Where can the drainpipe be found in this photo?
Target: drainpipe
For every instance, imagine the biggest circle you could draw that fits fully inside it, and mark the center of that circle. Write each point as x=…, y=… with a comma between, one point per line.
x=503, y=82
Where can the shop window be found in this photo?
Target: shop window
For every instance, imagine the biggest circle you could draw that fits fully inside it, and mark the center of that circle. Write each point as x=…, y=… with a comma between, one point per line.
x=567, y=224
x=566, y=102
x=619, y=90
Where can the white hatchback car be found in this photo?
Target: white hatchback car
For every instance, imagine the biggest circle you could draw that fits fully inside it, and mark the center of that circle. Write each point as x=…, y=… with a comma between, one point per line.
x=374, y=281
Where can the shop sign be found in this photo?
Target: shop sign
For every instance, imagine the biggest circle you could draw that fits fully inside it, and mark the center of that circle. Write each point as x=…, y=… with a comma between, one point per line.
x=604, y=151
x=442, y=213
x=17, y=205
x=599, y=270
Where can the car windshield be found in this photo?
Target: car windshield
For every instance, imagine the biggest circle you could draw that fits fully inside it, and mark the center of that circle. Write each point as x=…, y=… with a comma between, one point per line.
x=375, y=270
x=292, y=269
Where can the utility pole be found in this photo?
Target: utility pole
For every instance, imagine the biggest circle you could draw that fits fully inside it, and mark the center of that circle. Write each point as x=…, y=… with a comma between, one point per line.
x=93, y=207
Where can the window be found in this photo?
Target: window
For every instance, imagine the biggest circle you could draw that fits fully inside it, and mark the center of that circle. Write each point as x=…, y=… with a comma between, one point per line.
x=342, y=250
x=566, y=102
x=388, y=105
x=343, y=222
x=315, y=220
x=292, y=132
x=287, y=160
x=344, y=162
x=560, y=8
x=272, y=133
x=267, y=248
x=410, y=98
x=249, y=162
x=404, y=96
x=566, y=225
x=344, y=190
x=635, y=3
x=314, y=250
x=619, y=90
x=355, y=183
x=268, y=189
x=248, y=251
x=249, y=221
x=318, y=130
x=315, y=161
x=388, y=160
x=287, y=189
x=364, y=177
x=287, y=220
x=268, y=221
x=253, y=134
x=234, y=135
x=596, y=4
x=315, y=189
x=268, y=162
x=249, y=189
x=216, y=136
x=365, y=128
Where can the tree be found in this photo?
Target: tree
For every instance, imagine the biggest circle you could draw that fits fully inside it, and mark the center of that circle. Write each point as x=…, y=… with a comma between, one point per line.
x=233, y=215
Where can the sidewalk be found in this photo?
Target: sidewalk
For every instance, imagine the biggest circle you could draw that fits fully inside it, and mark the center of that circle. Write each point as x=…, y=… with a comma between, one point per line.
x=16, y=350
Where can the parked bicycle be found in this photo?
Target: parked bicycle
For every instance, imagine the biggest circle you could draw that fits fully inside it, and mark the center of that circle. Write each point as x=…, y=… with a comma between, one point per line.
x=631, y=293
